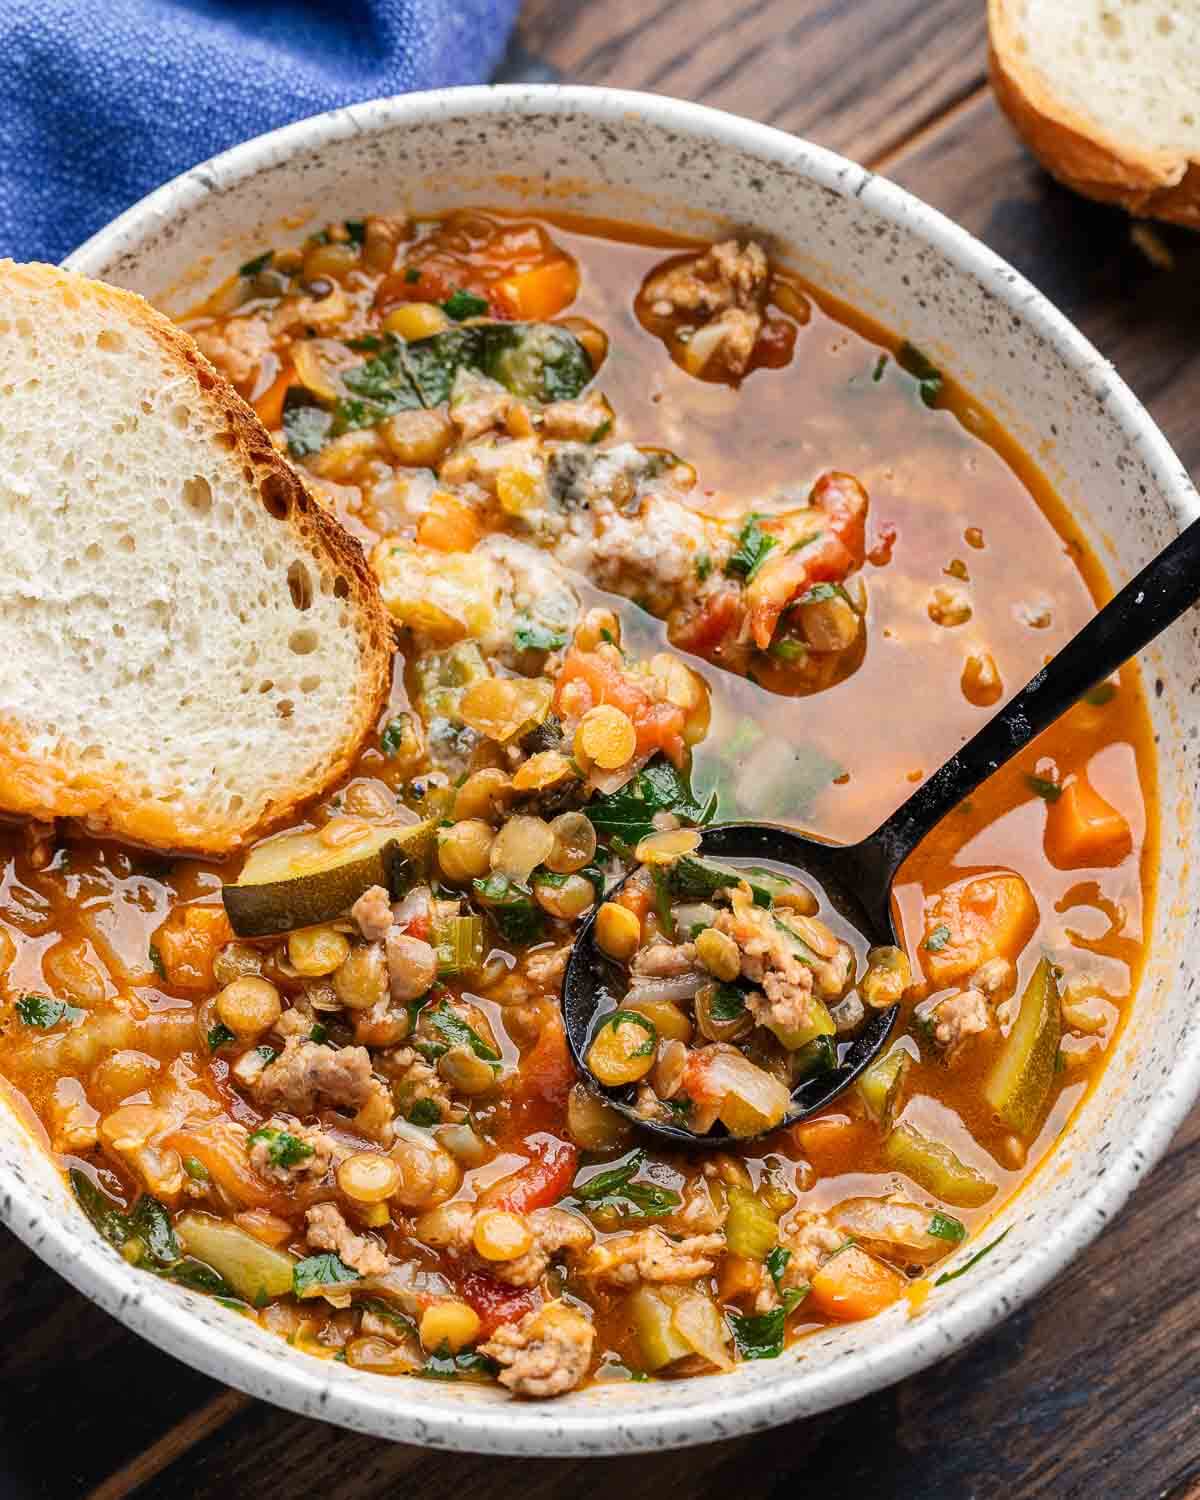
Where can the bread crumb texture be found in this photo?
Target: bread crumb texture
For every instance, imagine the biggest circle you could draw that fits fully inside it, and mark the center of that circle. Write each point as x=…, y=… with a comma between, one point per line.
x=191, y=645
x=1106, y=93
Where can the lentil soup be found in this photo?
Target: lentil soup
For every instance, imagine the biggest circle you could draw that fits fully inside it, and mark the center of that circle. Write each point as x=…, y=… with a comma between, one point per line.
x=667, y=536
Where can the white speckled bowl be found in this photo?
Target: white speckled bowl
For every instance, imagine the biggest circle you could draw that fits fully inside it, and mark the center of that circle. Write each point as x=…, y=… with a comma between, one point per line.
x=692, y=169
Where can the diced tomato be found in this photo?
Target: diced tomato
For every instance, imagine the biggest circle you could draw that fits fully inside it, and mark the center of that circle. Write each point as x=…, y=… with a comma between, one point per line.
x=659, y=726
x=547, y=1069
x=543, y=1180
x=880, y=551
x=494, y=1302
x=717, y=620
x=833, y=553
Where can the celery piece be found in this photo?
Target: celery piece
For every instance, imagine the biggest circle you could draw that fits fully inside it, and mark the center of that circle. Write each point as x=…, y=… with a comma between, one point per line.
x=459, y=944
x=751, y=1228
x=659, y=1342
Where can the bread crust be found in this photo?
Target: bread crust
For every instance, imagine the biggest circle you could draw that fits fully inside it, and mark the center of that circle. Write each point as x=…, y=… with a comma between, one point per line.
x=34, y=787
x=1075, y=149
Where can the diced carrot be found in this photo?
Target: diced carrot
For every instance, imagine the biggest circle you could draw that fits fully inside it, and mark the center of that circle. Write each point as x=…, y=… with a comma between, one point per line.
x=659, y=725
x=269, y=406
x=991, y=916
x=187, y=943
x=449, y=525
x=636, y=897
x=852, y=1285
x=1082, y=829
x=542, y=1181
x=827, y=1141
x=739, y=1277
x=541, y=293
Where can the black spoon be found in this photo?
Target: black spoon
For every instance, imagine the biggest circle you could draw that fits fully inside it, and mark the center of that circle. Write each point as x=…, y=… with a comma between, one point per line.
x=857, y=878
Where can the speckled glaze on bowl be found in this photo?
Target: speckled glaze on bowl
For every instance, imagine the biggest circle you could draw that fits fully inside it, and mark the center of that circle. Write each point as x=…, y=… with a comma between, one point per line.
x=692, y=169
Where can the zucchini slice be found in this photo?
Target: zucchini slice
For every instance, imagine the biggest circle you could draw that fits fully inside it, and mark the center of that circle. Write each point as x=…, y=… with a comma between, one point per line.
x=297, y=880
x=1022, y=1076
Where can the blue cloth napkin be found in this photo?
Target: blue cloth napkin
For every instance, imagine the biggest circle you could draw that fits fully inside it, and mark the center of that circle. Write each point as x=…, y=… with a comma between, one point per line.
x=102, y=100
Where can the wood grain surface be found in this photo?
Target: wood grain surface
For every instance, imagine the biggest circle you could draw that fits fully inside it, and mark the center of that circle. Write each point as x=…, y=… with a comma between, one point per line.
x=1090, y=1392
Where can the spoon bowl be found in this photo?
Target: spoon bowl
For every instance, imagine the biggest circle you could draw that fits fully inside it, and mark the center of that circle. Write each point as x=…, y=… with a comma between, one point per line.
x=594, y=984
x=856, y=879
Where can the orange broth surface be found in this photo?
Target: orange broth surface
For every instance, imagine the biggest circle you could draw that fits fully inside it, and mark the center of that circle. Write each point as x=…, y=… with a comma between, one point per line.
x=952, y=504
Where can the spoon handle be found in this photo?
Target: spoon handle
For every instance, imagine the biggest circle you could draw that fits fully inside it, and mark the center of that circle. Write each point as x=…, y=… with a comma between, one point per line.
x=1157, y=596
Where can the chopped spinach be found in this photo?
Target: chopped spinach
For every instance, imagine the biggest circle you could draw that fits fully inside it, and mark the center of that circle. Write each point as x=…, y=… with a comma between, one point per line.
x=1102, y=693
x=511, y=907
x=753, y=545
x=694, y=878
x=776, y=1264
x=629, y=813
x=156, y=962
x=937, y=939
x=219, y=1036
x=145, y=1229
x=728, y=1003
x=357, y=230
x=616, y=1189
x=458, y=1033
x=320, y=1270
x=759, y=1335
x=43, y=1012
x=442, y=1365
x=395, y=732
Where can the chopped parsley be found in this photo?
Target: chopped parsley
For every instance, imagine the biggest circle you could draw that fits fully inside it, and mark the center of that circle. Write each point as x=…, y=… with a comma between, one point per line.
x=704, y=566
x=530, y=635
x=357, y=230
x=395, y=732
x=259, y=263
x=937, y=939
x=616, y=1189
x=425, y=1112
x=635, y=1018
x=753, y=545
x=411, y=275
x=43, y=1012
x=318, y=1271
x=319, y=1033
x=156, y=962
x=1048, y=791
x=459, y=305
x=195, y=1169
x=974, y=1260
x=947, y=1227
x=927, y=375
x=601, y=430
x=220, y=1036
x=881, y=365
x=283, y=1148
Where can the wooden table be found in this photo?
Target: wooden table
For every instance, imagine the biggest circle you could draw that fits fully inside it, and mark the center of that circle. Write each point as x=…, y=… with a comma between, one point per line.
x=1092, y=1390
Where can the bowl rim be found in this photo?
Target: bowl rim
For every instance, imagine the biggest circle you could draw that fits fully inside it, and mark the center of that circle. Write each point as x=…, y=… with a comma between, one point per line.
x=307, y=1386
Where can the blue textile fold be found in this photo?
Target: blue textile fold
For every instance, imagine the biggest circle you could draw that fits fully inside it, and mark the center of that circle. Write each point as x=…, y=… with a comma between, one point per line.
x=102, y=100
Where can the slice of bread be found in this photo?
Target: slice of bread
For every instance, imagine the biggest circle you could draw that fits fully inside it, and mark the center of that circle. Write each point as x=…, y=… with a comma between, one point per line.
x=189, y=644
x=1106, y=94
